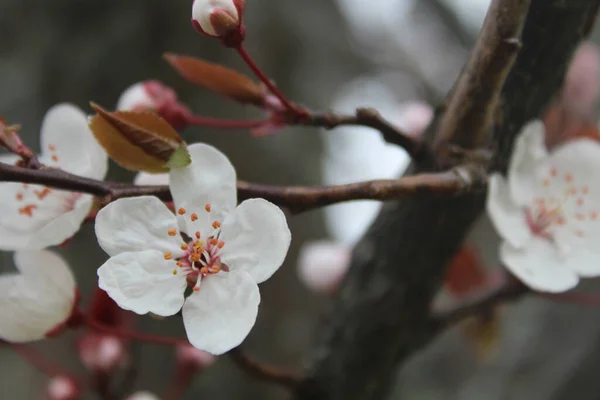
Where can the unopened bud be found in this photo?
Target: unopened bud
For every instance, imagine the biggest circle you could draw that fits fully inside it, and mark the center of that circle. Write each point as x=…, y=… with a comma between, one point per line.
x=143, y=396
x=192, y=359
x=322, y=265
x=220, y=18
x=414, y=118
x=101, y=353
x=62, y=388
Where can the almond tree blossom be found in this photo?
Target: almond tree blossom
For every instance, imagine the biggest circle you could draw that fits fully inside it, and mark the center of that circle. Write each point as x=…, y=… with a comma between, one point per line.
x=34, y=217
x=39, y=299
x=219, y=250
x=547, y=211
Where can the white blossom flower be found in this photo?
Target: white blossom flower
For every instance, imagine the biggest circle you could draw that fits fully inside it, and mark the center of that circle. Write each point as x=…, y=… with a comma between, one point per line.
x=220, y=250
x=547, y=211
x=33, y=216
x=37, y=300
x=216, y=17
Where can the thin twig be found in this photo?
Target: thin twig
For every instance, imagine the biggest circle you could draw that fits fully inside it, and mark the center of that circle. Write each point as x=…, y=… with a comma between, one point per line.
x=296, y=198
x=262, y=371
x=512, y=290
x=371, y=118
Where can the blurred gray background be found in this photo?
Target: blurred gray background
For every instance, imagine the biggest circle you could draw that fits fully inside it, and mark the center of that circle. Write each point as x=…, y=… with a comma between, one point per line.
x=78, y=50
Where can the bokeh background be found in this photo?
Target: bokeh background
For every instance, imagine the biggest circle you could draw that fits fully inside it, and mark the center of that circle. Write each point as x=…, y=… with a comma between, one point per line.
x=399, y=51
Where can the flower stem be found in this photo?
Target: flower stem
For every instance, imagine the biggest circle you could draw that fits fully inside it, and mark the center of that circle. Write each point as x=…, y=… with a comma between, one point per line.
x=142, y=337
x=224, y=123
x=264, y=79
x=39, y=361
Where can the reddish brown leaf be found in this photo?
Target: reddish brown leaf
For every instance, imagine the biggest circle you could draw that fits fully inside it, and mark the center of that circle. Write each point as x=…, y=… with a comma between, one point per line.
x=139, y=140
x=217, y=78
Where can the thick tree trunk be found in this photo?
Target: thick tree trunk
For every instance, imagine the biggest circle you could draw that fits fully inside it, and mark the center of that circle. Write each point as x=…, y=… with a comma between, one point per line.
x=381, y=315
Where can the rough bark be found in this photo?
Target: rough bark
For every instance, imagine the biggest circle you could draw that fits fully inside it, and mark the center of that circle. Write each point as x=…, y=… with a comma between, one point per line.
x=381, y=315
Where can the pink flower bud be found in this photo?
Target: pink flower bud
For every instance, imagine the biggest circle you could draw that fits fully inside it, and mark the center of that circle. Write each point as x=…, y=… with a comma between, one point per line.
x=220, y=18
x=62, y=388
x=143, y=396
x=101, y=353
x=154, y=96
x=322, y=265
x=582, y=83
x=192, y=359
x=414, y=118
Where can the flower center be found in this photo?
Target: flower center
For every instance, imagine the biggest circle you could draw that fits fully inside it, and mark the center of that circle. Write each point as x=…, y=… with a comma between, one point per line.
x=562, y=205
x=202, y=255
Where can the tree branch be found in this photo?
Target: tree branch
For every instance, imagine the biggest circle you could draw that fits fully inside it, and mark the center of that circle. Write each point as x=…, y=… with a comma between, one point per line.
x=474, y=100
x=296, y=198
x=381, y=314
x=261, y=371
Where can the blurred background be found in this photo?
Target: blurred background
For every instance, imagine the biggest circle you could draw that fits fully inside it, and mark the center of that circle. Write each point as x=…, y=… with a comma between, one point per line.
x=391, y=54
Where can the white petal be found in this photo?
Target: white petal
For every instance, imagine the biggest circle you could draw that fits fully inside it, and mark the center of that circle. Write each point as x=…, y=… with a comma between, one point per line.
x=579, y=157
x=322, y=265
x=62, y=227
x=507, y=216
x=53, y=220
x=220, y=315
x=257, y=239
x=209, y=179
x=136, y=224
x=585, y=262
x=135, y=97
x=143, y=282
x=65, y=129
x=144, y=178
x=9, y=159
x=51, y=271
x=35, y=302
x=539, y=266
x=529, y=151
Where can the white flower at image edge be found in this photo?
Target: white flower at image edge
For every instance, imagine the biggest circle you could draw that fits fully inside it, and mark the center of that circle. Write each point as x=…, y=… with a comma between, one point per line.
x=547, y=211
x=33, y=216
x=37, y=299
x=223, y=252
